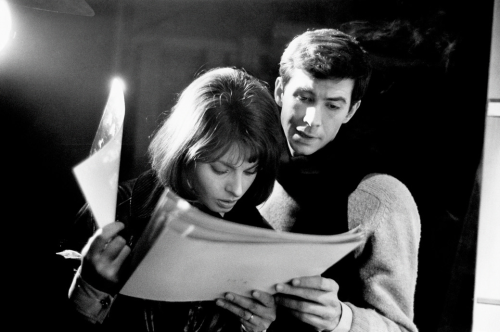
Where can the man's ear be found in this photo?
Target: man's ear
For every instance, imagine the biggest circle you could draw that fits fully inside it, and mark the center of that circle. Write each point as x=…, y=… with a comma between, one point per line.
x=352, y=111
x=278, y=91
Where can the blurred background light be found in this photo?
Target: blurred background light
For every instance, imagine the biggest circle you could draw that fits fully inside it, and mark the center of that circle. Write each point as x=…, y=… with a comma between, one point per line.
x=73, y=7
x=5, y=23
x=118, y=83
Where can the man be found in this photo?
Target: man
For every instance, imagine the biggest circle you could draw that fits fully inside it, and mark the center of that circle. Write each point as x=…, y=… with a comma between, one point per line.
x=330, y=183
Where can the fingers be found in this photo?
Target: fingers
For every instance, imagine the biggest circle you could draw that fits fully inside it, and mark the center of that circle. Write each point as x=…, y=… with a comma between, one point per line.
x=104, y=257
x=113, y=248
x=315, y=282
x=244, y=307
x=321, y=316
x=315, y=289
x=114, y=254
x=101, y=238
x=264, y=298
x=256, y=313
x=124, y=252
x=239, y=310
x=307, y=308
x=312, y=300
x=320, y=323
x=309, y=294
x=108, y=264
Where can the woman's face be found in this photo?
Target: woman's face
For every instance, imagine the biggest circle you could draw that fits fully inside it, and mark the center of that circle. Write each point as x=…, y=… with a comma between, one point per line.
x=220, y=184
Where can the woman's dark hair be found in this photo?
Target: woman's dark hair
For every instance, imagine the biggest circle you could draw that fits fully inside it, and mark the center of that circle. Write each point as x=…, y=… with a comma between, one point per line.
x=220, y=108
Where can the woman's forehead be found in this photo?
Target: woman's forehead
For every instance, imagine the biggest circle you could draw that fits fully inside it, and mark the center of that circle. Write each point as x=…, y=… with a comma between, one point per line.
x=237, y=153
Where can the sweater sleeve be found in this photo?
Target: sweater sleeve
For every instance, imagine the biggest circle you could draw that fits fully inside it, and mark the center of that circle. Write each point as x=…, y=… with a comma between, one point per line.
x=388, y=260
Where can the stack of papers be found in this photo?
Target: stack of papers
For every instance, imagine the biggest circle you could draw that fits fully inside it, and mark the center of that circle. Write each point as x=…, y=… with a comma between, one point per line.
x=187, y=255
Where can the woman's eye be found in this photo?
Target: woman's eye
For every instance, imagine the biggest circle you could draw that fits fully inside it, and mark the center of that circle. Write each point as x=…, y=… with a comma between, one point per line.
x=251, y=171
x=218, y=170
x=302, y=98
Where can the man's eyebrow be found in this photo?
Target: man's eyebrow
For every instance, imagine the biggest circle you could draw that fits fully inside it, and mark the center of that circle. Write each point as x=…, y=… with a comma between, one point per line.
x=308, y=90
x=339, y=98
x=311, y=91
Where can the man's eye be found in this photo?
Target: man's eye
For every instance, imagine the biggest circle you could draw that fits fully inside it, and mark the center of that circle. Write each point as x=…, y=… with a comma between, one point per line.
x=333, y=107
x=303, y=98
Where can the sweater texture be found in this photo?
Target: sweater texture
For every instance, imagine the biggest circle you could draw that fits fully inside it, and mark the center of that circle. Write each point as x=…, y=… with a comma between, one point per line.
x=318, y=194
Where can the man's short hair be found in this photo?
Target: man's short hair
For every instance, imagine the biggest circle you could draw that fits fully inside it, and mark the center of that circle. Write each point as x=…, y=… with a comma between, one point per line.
x=328, y=54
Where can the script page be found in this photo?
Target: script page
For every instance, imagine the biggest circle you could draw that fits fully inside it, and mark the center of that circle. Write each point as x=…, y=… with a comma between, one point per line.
x=197, y=257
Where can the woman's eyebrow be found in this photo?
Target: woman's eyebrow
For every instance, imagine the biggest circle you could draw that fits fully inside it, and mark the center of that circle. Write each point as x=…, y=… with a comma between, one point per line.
x=234, y=166
x=226, y=163
x=256, y=165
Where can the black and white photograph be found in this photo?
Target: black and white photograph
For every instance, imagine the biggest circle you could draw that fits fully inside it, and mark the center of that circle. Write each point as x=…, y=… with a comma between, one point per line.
x=251, y=165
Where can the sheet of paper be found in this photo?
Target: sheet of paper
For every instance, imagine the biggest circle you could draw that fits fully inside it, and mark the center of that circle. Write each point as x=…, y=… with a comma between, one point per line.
x=97, y=175
x=190, y=262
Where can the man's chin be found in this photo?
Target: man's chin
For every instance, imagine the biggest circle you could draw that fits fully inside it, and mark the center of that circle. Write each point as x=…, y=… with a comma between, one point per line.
x=300, y=149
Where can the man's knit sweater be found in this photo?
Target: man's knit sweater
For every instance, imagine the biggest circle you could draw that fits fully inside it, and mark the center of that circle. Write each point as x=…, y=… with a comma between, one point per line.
x=386, y=264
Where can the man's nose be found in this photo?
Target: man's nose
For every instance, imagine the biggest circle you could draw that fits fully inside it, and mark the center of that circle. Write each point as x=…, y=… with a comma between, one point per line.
x=312, y=117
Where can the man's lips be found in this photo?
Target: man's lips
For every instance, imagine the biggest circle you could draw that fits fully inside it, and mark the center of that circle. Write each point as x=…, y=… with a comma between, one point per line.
x=304, y=135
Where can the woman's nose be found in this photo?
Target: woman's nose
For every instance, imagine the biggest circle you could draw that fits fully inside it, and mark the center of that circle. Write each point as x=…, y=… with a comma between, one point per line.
x=235, y=185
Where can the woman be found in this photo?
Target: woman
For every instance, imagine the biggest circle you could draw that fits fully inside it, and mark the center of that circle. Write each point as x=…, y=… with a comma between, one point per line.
x=219, y=149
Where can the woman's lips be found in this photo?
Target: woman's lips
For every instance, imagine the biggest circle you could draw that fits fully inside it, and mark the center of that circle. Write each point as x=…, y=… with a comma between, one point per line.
x=226, y=204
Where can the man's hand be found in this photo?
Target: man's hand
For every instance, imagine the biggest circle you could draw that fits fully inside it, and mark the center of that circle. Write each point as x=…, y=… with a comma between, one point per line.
x=103, y=256
x=312, y=300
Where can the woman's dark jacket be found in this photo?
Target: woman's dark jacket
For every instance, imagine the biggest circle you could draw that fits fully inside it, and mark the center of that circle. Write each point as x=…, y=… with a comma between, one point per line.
x=136, y=201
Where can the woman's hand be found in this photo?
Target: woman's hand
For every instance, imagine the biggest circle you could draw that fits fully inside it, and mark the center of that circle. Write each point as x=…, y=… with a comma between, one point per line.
x=103, y=257
x=312, y=300
x=257, y=312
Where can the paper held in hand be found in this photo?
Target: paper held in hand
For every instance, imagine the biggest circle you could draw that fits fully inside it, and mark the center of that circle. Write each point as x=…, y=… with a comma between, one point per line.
x=97, y=175
x=187, y=255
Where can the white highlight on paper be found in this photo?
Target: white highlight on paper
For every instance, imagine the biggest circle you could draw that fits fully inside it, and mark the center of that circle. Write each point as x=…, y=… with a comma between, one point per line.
x=97, y=176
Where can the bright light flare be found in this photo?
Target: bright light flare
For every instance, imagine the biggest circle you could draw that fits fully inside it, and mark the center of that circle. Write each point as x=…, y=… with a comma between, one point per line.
x=118, y=84
x=5, y=23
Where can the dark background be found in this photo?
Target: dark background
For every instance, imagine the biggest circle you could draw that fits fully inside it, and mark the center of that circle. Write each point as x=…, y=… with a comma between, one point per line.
x=424, y=112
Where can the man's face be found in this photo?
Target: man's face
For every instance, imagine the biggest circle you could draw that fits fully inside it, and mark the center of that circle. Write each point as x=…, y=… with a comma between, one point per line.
x=312, y=110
